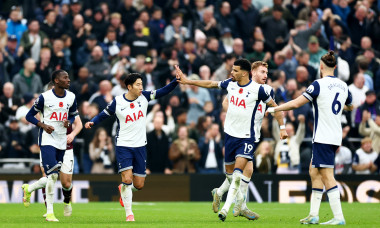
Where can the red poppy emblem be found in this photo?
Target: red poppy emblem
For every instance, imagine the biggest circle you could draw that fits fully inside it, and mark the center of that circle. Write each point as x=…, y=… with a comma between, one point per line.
x=241, y=90
x=61, y=104
x=132, y=105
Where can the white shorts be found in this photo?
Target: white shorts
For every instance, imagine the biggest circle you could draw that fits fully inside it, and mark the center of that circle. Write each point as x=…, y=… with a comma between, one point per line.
x=68, y=162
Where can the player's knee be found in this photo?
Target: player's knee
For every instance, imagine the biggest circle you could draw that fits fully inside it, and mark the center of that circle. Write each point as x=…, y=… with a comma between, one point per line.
x=138, y=186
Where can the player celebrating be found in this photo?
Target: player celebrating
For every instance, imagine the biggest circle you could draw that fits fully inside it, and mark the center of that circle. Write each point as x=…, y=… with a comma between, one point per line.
x=242, y=125
x=259, y=70
x=328, y=95
x=130, y=110
x=58, y=109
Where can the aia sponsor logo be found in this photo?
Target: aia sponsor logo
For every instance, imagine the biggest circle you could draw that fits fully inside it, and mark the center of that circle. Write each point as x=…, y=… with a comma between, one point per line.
x=237, y=102
x=58, y=116
x=134, y=117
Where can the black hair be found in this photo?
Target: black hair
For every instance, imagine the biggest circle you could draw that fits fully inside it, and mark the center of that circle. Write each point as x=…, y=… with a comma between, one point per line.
x=244, y=64
x=56, y=74
x=329, y=59
x=229, y=57
x=131, y=78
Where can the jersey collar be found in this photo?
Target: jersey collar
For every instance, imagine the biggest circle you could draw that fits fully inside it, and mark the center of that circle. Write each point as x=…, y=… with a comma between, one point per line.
x=244, y=85
x=57, y=95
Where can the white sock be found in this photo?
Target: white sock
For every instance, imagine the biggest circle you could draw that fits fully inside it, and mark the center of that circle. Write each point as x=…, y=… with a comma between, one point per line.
x=226, y=185
x=334, y=200
x=126, y=195
x=315, y=201
x=41, y=183
x=234, y=190
x=244, y=189
x=52, y=178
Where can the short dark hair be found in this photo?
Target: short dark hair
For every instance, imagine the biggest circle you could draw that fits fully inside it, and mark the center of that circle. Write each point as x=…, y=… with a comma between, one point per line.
x=229, y=56
x=329, y=59
x=56, y=74
x=244, y=64
x=131, y=78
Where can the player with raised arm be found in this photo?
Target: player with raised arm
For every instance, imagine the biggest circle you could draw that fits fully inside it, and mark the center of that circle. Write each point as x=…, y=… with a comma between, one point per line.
x=242, y=125
x=131, y=110
x=58, y=109
x=329, y=96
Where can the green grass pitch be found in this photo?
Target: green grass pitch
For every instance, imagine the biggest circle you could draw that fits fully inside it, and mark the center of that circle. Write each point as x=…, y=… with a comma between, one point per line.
x=182, y=214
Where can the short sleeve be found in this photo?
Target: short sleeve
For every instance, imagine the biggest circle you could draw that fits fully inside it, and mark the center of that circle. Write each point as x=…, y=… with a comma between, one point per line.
x=224, y=84
x=149, y=95
x=312, y=91
x=39, y=103
x=111, y=108
x=264, y=95
x=349, y=98
x=355, y=161
x=73, y=109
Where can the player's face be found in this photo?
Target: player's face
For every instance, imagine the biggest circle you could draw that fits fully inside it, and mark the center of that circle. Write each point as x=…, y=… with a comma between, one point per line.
x=260, y=74
x=63, y=80
x=236, y=73
x=137, y=88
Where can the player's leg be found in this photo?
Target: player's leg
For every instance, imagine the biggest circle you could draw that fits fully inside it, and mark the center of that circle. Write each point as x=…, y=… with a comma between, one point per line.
x=234, y=190
x=217, y=193
x=66, y=181
x=52, y=159
x=316, y=196
x=333, y=195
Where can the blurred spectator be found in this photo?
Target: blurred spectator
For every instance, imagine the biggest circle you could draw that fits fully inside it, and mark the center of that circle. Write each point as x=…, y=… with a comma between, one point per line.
x=247, y=17
x=373, y=129
x=49, y=25
x=197, y=98
x=83, y=87
x=302, y=76
x=226, y=42
x=115, y=23
x=58, y=58
x=98, y=24
x=224, y=71
x=275, y=29
x=84, y=52
x=184, y=152
x=158, y=148
x=110, y=45
x=211, y=149
x=238, y=48
x=358, y=90
x=295, y=7
x=313, y=6
x=75, y=8
x=343, y=160
x=139, y=43
x=258, y=53
x=101, y=153
x=9, y=103
x=357, y=24
x=208, y=25
x=370, y=104
x=225, y=18
x=97, y=66
x=148, y=77
x=16, y=141
x=78, y=34
x=303, y=60
x=189, y=60
x=27, y=80
x=264, y=158
x=25, y=125
x=15, y=25
x=212, y=58
x=158, y=23
x=103, y=96
x=315, y=52
x=120, y=87
x=200, y=7
x=364, y=157
x=45, y=66
x=168, y=128
x=287, y=152
x=149, y=6
x=128, y=13
x=175, y=30
x=3, y=34
x=363, y=65
x=33, y=40
x=13, y=57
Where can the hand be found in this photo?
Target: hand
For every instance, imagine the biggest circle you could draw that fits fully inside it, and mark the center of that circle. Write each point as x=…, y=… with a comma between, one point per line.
x=66, y=123
x=14, y=107
x=326, y=14
x=49, y=129
x=270, y=110
x=167, y=171
x=88, y=125
x=147, y=171
x=283, y=134
x=168, y=111
x=60, y=54
x=87, y=27
x=301, y=118
x=84, y=88
x=70, y=138
x=156, y=108
x=45, y=41
x=181, y=78
x=20, y=51
x=35, y=149
x=366, y=116
x=193, y=101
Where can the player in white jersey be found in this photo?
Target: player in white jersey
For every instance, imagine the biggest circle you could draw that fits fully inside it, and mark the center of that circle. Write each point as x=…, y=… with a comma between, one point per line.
x=58, y=110
x=329, y=96
x=131, y=110
x=242, y=125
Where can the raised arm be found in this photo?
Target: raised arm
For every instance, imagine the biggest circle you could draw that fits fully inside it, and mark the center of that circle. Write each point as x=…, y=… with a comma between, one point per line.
x=293, y=104
x=181, y=78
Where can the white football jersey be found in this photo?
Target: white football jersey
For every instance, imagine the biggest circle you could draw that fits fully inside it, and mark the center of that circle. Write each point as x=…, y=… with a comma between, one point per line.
x=131, y=119
x=362, y=157
x=328, y=95
x=245, y=110
x=54, y=110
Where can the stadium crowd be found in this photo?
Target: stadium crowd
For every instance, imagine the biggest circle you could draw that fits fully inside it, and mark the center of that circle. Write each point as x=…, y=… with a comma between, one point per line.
x=99, y=42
